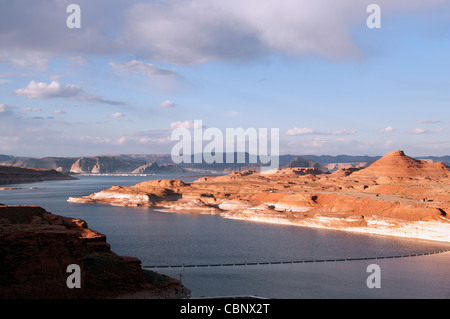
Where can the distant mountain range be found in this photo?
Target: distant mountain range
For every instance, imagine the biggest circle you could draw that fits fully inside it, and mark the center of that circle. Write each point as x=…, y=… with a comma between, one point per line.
x=162, y=163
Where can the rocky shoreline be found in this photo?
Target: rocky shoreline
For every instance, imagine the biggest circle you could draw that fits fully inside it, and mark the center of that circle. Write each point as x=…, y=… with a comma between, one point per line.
x=438, y=230
x=395, y=196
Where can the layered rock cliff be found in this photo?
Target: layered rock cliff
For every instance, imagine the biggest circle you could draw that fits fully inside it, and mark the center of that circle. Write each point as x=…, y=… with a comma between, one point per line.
x=414, y=204
x=105, y=164
x=36, y=247
x=134, y=161
x=60, y=164
x=154, y=168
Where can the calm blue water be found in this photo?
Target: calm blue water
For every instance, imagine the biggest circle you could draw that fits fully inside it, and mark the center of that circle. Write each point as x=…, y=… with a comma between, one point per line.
x=159, y=238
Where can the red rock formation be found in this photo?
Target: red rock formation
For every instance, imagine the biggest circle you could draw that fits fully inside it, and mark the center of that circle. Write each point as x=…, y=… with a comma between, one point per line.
x=37, y=247
x=342, y=172
x=396, y=195
x=397, y=164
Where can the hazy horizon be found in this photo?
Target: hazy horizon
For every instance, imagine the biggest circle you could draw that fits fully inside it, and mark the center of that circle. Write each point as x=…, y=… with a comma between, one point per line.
x=168, y=154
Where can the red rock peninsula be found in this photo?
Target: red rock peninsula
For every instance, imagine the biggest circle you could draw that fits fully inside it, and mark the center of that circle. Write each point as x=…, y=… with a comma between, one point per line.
x=396, y=195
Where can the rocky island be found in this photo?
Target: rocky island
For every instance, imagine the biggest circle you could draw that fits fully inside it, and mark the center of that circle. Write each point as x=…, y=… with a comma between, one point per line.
x=396, y=195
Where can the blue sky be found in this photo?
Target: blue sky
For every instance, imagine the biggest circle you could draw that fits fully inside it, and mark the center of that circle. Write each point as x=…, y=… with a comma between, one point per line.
x=312, y=69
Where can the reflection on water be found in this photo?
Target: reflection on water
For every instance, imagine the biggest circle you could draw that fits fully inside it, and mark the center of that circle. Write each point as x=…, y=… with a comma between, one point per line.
x=159, y=238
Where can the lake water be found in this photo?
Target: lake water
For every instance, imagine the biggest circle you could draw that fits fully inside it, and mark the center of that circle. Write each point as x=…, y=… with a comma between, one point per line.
x=160, y=238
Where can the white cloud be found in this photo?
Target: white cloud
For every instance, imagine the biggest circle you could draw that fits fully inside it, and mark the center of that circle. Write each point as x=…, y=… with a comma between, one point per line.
x=301, y=131
x=424, y=131
x=31, y=109
x=429, y=121
x=202, y=30
x=8, y=143
x=387, y=129
x=149, y=69
x=183, y=124
x=96, y=139
x=167, y=103
x=116, y=115
x=197, y=31
x=5, y=111
x=77, y=59
x=99, y=100
x=42, y=90
x=192, y=31
x=153, y=140
x=121, y=140
x=311, y=131
x=344, y=132
x=317, y=142
x=38, y=63
x=55, y=77
x=59, y=112
x=233, y=113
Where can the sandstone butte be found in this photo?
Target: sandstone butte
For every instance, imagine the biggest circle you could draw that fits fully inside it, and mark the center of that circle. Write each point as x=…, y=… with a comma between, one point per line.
x=37, y=246
x=396, y=195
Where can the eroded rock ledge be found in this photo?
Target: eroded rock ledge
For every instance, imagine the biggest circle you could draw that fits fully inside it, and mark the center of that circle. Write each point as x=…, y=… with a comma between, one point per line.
x=37, y=246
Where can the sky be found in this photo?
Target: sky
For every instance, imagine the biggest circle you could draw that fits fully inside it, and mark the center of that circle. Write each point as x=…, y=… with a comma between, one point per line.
x=136, y=70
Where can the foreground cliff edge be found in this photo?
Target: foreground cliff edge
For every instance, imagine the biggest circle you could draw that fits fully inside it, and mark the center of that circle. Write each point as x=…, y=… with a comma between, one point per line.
x=396, y=196
x=36, y=247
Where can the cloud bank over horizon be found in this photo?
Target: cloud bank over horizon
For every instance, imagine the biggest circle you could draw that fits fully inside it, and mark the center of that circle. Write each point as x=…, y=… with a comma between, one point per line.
x=190, y=32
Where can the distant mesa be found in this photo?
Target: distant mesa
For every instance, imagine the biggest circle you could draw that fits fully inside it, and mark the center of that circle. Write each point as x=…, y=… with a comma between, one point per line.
x=302, y=162
x=397, y=164
x=15, y=175
x=105, y=164
x=60, y=164
x=155, y=168
x=162, y=163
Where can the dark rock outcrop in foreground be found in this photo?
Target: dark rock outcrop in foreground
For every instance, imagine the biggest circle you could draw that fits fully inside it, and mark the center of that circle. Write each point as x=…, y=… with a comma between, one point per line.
x=36, y=247
x=15, y=175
